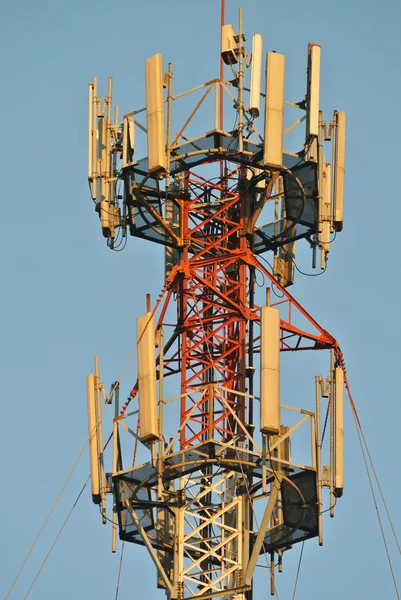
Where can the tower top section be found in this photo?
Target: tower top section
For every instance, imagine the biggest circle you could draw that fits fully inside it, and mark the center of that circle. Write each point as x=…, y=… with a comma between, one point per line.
x=279, y=145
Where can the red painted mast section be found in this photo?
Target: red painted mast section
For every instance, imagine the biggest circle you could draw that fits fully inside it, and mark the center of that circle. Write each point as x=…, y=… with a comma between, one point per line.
x=213, y=311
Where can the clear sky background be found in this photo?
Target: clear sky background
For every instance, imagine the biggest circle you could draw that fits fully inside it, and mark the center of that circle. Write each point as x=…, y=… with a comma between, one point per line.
x=65, y=296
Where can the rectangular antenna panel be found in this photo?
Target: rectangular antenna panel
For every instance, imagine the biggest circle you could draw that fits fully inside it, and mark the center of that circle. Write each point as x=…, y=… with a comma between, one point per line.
x=92, y=137
x=109, y=217
x=325, y=209
x=269, y=370
x=155, y=114
x=256, y=73
x=284, y=449
x=101, y=145
x=128, y=140
x=90, y=133
x=327, y=206
x=228, y=45
x=339, y=420
x=93, y=438
x=284, y=264
x=284, y=261
x=313, y=90
x=274, y=112
x=339, y=171
x=105, y=217
x=148, y=421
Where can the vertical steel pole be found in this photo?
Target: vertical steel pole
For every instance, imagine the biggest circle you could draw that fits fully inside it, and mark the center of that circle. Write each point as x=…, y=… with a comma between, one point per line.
x=100, y=440
x=114, y=470
x=90, y=134
x=125, y=141
x=333, y=163
x=169, y=119
x=216, y=105
x=318, y=443
x=220, y=86
x=161, y=403
x=313, y=440
x=108, y=139
x=109, y=101
x=332, y=434
x=240, y=88
x=321, y=210
x=221, y=93
x=272, y=583
x=95, y=107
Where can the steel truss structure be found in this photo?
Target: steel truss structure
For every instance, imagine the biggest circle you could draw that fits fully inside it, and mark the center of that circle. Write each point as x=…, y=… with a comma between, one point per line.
x=216, y=492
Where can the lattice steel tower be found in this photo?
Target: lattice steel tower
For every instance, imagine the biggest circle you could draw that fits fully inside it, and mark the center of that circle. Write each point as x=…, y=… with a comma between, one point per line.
x=219, y=485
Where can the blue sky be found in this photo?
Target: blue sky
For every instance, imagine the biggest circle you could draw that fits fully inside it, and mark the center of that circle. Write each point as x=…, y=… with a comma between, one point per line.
x=66, y=296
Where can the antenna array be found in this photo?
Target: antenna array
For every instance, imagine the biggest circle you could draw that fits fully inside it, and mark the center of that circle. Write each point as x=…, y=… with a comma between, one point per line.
x=220, y=483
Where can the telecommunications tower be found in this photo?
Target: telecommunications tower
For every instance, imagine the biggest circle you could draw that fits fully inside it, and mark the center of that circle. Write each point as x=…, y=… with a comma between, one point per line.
x=217, y=482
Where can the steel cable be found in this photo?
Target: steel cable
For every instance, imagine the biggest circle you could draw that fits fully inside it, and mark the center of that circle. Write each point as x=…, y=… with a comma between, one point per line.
x=340, y=359
x=362, y=442
x=45, y=522
x=119, y=570
x=298, y=570
x=116, y=383
x=56, y=539
x=377, y=510
x=380, y=491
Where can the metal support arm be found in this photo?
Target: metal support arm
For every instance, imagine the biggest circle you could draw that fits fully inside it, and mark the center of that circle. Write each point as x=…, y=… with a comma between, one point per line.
x=263, y=528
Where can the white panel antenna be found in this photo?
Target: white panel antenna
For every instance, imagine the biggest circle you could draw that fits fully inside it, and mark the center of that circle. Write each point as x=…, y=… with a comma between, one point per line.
x=256, y=73
x=269, y=370
x=91, y=133
x=313, y=91
x=93, y=434
x=155, y=114
x=148, y=421
x=339, y=167
x=93, y=109
x=274, y=115
x=339, y=421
